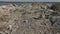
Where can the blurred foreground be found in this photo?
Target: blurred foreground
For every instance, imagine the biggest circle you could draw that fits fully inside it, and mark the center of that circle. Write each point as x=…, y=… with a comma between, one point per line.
x=33, y=18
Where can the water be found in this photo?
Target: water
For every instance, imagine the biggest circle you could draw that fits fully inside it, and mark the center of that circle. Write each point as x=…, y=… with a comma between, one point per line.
x=8, y=3
x=18, y=3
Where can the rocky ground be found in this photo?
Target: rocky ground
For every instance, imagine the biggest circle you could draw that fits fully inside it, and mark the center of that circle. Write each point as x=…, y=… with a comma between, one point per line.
x=34, y=18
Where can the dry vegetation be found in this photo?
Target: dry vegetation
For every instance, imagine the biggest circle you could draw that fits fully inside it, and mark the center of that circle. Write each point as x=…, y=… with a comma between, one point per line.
x=33, y=18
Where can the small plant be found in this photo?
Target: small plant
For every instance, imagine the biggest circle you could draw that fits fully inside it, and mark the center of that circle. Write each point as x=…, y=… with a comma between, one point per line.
x=54, y=6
